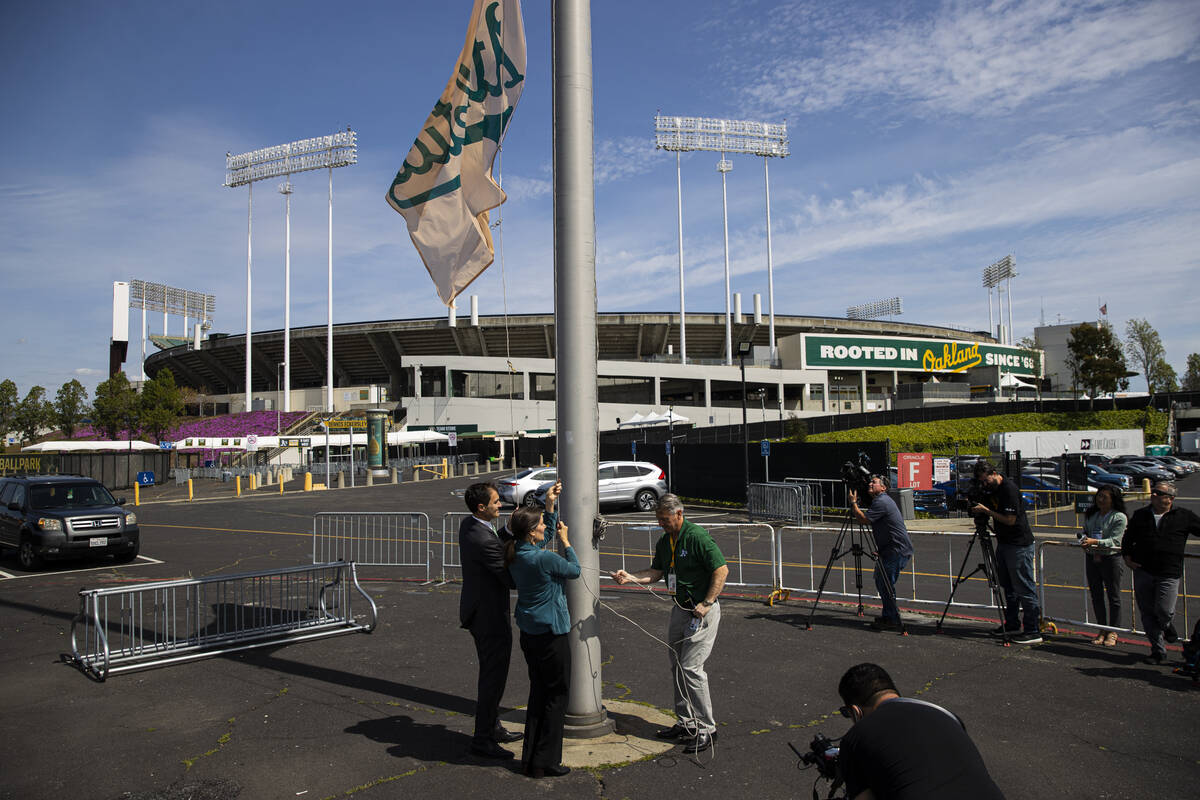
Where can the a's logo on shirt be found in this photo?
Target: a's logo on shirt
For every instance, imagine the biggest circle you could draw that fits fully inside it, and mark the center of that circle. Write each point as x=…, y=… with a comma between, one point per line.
x=683, y=553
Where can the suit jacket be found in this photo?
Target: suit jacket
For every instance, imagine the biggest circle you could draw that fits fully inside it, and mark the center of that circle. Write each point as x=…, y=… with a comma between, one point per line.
x=1159, y=549
x=483, y=604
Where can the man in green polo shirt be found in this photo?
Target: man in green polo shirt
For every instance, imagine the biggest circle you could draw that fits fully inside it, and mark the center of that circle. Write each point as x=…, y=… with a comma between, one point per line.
x=695, y=572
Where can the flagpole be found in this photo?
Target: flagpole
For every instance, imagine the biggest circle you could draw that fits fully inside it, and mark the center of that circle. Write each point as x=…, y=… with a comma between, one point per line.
x=575, y=328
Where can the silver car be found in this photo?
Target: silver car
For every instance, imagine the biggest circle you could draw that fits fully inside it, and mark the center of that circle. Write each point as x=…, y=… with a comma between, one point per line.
x=518, y=489
x=639, y=483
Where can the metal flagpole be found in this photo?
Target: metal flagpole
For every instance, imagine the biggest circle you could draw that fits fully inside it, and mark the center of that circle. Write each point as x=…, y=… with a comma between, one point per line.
x=286, y=190
x=575, y=328
x=770, y=265
x=329, y=310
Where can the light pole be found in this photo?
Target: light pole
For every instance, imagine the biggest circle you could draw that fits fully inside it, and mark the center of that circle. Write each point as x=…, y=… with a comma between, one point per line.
x=278, y=392
x=743, y=350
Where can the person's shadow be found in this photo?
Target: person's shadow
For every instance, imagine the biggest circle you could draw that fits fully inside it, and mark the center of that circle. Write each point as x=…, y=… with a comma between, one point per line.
x=425, y=742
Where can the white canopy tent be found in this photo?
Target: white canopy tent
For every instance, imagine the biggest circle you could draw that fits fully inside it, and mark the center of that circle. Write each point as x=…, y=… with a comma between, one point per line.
x=394, y=438
x=1010, y=381
x=653, y=418
x=82, y=446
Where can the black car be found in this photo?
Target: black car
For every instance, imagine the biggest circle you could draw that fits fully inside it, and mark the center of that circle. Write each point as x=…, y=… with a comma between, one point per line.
x=64, y=516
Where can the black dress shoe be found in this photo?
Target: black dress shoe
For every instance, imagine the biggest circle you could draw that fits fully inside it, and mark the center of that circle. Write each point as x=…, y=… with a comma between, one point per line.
x=556, y=771
x=1154, y=658
x=489, y=750
x=702, y=742
x=504, y=736
x=673, y=732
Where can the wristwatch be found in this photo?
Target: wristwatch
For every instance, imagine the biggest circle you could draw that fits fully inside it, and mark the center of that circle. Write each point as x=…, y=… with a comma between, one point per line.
x=706, y=604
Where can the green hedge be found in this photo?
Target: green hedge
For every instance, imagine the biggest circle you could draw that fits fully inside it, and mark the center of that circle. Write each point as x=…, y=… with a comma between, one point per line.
x=971, y=434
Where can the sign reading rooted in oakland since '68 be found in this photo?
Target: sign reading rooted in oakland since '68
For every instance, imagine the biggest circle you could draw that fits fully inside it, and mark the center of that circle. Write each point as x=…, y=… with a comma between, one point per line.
x=916, y=355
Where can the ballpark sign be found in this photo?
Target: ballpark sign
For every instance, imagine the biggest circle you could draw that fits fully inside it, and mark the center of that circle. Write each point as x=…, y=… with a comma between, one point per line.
x=916, y=355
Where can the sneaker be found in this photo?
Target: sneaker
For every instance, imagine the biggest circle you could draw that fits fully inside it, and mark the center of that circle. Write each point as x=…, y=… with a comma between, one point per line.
x=1026, y=637
x=1170, y=634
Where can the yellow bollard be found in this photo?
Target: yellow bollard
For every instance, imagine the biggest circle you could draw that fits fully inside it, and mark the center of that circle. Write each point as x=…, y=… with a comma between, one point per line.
x=190, y=495
x=137, y=494
x=308, y=481
x=281, y=488
x=237, y=485
x=444, y=473
x=252, y=482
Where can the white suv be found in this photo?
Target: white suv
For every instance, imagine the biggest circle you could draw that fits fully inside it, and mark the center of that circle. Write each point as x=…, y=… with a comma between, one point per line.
x=518, y=490
x=638, y=482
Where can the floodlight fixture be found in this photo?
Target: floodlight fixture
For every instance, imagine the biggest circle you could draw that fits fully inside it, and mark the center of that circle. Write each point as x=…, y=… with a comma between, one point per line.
x=725, y=136
x=282, y=161
x=686, y=134
x=321, y=152
x=150, y=296
x=1002, y=270
x=892, y=306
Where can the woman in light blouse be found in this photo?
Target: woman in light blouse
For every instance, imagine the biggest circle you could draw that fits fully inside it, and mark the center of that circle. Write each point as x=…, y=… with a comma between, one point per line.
x=1103, y=527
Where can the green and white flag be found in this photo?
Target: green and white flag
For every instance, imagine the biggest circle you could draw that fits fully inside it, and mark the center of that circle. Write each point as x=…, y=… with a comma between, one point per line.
x=445, y=187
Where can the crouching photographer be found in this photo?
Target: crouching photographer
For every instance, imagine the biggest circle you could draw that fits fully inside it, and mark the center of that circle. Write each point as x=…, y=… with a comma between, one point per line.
x=904, y=748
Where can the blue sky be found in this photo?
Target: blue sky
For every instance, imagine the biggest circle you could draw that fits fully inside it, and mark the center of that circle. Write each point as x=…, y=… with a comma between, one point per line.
x=927, y=139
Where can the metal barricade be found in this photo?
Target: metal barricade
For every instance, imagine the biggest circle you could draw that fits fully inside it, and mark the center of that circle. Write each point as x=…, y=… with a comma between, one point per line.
x=154, y=624
x=374, y=538
x=791, y=502
x=822, y=493
x=1056, y=590
x=922, y=583
x=748, y=549
x=451, y=557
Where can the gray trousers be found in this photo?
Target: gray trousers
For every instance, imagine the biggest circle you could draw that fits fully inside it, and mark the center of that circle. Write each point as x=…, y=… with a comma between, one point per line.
x=1155, y=597
x=689, y=681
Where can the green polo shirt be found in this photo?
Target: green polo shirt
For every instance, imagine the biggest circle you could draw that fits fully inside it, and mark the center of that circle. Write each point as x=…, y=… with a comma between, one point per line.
x=696, y=557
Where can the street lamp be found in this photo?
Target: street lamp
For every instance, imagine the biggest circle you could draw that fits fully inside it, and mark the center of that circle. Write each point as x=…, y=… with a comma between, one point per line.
x=278, y=393
x=743, y=350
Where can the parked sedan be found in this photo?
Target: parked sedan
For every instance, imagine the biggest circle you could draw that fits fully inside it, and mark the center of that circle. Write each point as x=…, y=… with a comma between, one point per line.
x=1189, y=466
x=1099, y=477
x=518, y=490
x=1169, y=464
x=1141, y=472
x=638, y=482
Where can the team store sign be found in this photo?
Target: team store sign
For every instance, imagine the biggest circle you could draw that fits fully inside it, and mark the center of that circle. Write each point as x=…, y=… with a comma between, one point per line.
x=916, y=355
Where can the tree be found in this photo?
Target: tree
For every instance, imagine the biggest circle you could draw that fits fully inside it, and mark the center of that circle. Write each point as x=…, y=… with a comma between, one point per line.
x=1146, y=351
x=32, y=415
x=1191, y=378
x=161, y=405
x=1096, y=360
x=8, y=405
x=70, y=405
x=116, y=407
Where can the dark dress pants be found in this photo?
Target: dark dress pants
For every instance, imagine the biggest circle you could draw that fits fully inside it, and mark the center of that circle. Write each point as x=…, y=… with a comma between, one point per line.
x=493, y=646
x=549, y=660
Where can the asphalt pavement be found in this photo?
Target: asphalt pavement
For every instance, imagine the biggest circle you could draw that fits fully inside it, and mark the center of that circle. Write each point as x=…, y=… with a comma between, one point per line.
x=388, y=714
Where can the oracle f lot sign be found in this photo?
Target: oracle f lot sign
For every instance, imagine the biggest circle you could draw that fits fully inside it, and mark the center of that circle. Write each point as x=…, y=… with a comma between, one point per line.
x=916, y=355
x=914, y=470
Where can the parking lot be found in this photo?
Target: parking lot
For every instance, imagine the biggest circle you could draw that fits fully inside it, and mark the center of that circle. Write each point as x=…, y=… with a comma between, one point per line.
x=389, y=714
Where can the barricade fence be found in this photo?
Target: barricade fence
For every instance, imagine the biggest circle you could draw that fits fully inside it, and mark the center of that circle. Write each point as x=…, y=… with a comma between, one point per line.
x=154, y=624
x=791, y=502
x=1063, y=575
x=374, y=538
x=1063, y=508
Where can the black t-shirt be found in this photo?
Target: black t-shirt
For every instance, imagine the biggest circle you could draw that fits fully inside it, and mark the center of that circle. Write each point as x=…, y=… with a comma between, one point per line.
x=909, y=750
x=1006, y=499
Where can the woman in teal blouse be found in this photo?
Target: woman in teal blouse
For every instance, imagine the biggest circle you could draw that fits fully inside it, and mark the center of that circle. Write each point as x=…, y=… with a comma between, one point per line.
x=1103, y=528
x=544, y=620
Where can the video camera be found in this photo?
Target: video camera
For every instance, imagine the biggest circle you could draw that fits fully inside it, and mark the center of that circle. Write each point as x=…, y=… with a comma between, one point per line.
x=976, y=493
x=822, y=754
x=856, y=474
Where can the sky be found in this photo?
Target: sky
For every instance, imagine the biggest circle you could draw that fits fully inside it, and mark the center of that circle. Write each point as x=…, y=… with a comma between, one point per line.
x=927, y=141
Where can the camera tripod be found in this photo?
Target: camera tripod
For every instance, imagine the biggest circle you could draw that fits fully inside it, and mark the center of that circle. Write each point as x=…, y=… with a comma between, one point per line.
x=987, y=566
x=862, y=543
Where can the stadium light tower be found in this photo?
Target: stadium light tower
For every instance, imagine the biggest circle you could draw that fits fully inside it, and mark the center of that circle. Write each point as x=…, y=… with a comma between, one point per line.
x=1003, y=270
x=282, y=161
x=724, y=136
x=169, y=300
x=893, y=306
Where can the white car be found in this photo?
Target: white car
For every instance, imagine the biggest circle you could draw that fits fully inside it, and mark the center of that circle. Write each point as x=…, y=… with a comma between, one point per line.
x=638, y=482
x=518, y=490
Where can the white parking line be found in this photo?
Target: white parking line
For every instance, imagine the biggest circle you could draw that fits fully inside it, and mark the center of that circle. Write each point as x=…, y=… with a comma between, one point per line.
x=140, y=561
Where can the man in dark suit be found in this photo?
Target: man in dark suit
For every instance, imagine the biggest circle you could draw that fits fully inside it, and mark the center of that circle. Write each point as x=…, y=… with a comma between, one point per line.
x=483, y=610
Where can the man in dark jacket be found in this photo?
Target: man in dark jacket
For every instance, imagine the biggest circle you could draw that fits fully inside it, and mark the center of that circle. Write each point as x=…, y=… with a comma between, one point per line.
x=1153, y=548
x=483, y=610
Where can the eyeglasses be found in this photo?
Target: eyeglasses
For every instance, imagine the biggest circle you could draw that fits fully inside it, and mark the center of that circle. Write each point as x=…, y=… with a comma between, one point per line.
x=847, y=712
x=1160, y=493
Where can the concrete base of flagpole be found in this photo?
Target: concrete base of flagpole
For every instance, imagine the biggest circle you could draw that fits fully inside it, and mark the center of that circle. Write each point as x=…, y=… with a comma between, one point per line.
x=590, y=726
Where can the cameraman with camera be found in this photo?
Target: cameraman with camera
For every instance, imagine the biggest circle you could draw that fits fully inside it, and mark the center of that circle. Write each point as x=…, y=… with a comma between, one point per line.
x=904, y=748
x=892, y=545
x=1014, y=552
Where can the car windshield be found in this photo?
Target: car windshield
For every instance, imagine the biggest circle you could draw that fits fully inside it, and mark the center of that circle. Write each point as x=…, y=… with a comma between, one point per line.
x=70, y=495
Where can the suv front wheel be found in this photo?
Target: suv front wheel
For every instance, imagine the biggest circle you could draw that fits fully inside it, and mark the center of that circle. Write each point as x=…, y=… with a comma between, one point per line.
x=27, y=557
x=645, y=500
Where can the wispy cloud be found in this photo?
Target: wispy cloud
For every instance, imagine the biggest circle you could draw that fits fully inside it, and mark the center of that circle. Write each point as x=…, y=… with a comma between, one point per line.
x=968, y=58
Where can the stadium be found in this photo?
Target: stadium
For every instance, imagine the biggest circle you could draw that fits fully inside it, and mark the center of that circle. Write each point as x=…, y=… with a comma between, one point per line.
x=496, y=373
